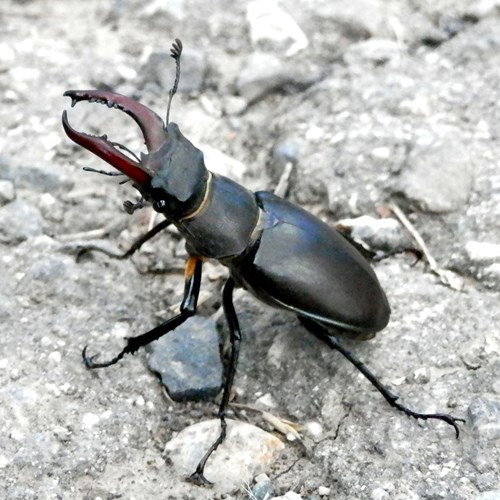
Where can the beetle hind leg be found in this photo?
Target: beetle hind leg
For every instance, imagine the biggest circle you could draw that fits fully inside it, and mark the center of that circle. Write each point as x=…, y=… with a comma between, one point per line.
x=322, y=334
x=198, y=476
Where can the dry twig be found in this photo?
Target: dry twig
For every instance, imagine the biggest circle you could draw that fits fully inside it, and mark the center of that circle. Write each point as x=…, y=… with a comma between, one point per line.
x=447, y=277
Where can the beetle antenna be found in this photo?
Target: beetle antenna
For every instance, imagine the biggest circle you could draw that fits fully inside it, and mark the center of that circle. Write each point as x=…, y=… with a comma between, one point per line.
x=175, y=52
x=103, y=172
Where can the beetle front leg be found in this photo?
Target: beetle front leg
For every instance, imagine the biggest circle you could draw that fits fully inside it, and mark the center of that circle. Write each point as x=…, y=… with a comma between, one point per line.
x=188, y=309
x=91, y=247
x=198, y=476
x=322, y=334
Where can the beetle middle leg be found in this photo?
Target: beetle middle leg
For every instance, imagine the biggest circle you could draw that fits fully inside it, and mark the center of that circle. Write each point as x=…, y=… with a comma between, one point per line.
x=322, y=333
x=187, y=308
x=374, y=256
x=235, y=338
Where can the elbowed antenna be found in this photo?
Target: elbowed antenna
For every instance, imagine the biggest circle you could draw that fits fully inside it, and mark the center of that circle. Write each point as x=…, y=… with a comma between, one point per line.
x=175, y=52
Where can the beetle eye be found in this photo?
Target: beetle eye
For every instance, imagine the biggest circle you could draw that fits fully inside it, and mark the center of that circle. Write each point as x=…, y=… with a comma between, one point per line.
x=160, y=205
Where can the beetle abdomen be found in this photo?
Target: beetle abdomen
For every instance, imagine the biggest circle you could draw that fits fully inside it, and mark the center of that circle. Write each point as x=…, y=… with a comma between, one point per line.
x=304, y=265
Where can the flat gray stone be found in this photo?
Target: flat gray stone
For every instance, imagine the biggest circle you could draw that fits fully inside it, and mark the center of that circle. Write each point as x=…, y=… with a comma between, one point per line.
x=19, y=220
x=438, y=177
x=188, y=361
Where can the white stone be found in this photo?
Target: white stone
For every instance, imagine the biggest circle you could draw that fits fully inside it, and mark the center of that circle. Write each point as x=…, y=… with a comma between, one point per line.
x=481, y=251
x=272, y=25
x=246, y=452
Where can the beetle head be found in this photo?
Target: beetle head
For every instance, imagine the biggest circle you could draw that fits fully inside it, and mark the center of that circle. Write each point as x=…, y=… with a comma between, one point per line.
x=178, y=184
x=172, y=174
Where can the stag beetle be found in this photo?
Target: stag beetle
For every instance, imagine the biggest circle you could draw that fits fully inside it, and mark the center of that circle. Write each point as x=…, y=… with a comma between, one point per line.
x=280, y=253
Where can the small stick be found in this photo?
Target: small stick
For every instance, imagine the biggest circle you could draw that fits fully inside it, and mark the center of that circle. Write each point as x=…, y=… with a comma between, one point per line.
x=280, y=424
x=284, y=182
x=447, y=277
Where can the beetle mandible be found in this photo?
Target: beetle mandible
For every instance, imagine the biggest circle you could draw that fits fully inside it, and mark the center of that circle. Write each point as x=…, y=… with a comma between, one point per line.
x=280, y=253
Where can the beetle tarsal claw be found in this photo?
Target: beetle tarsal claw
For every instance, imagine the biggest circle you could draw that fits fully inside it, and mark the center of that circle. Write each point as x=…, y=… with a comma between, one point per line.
x=130, y=207
x=445, y=417
x=451, y=420
x=88, y=360
x=199, y=479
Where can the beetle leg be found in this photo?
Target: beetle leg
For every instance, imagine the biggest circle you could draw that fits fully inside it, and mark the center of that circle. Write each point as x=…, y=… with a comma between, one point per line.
x=418, y=254
x=145, y=237
x=188, y=309
x=102, y=172
x=135, y=246
x=321, y=333
x=198, y=476
x=371, y=255
x=130, y=207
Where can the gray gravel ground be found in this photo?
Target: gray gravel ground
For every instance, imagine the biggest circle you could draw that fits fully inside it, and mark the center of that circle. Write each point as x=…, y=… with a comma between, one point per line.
x=373, y=101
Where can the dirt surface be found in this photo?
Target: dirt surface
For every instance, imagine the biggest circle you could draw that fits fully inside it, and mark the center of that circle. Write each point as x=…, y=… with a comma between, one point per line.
x=388, y=100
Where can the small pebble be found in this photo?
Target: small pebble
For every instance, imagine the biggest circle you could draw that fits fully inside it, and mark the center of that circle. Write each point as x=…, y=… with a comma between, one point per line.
x=263, y=488
x=324, y=491
x=482, y=251
x=7, y=192
x=376, y=233
x=272, y=28
x=291, y=495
